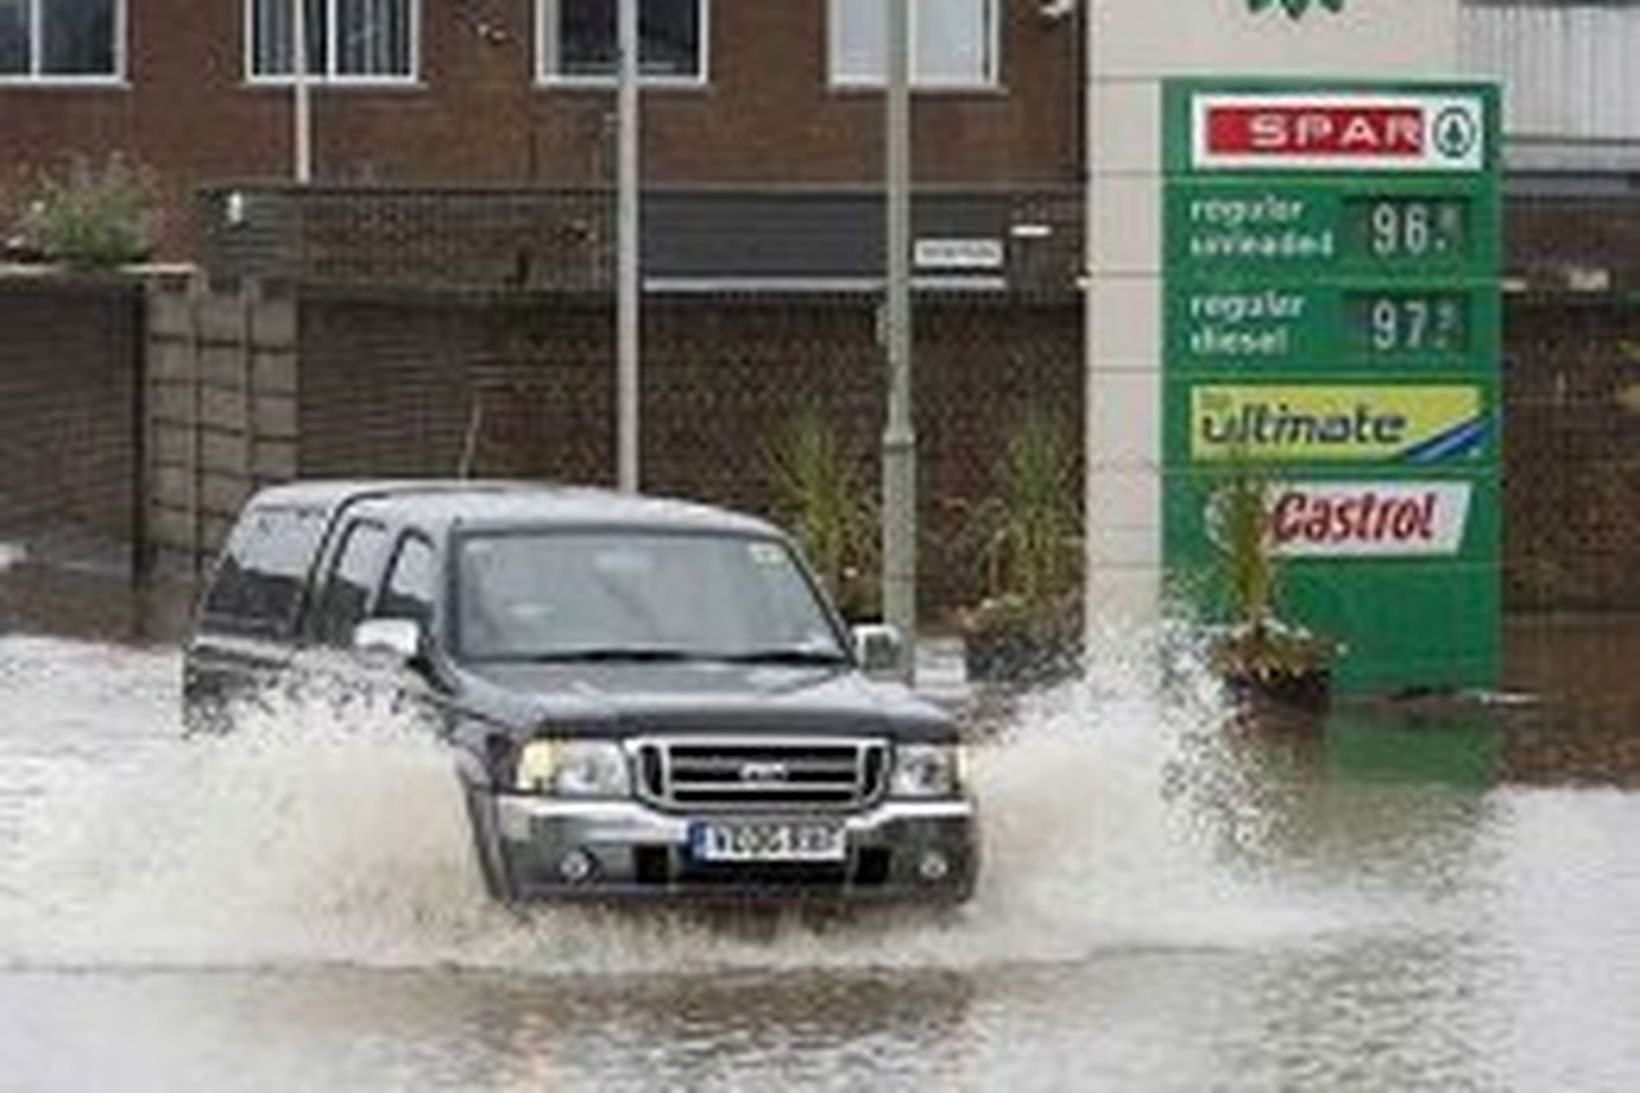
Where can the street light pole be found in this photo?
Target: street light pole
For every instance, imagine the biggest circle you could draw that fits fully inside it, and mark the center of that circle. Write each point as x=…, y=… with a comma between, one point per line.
x=899, y=435
x=301, y=93
x=627, y=286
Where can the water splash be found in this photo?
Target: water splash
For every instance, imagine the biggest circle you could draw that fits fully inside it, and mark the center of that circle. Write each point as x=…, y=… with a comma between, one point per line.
x=326, y=832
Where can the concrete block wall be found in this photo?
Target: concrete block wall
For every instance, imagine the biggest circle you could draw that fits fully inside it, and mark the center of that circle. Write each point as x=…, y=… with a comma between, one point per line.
x=221, y=419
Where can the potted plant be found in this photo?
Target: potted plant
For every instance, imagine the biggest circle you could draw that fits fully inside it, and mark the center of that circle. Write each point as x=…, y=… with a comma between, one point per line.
x=818, y=497
x=1259, y=655
x=93, y=217
x=1027, y=537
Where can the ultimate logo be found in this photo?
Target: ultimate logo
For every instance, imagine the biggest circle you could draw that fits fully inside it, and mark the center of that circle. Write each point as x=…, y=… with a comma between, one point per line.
x=1294, y=8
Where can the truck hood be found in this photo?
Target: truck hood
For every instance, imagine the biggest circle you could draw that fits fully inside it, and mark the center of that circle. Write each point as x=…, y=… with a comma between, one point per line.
x=704, y=697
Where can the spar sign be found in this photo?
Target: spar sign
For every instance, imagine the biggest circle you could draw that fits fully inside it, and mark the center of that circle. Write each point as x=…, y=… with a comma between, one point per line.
x=1311, y=131
x=1332, y=327
x=1360, y=519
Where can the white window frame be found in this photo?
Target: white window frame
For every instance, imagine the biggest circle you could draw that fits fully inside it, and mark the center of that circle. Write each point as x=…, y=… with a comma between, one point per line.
x=546, y=54
x=36, y=78
x=330, y=77
x=990, y=81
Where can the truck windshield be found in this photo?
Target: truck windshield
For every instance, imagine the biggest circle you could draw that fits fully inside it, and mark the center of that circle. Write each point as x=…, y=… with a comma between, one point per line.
x=566, y=596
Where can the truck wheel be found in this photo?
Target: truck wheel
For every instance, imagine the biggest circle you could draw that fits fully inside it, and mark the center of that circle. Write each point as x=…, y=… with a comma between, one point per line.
x=487, y=845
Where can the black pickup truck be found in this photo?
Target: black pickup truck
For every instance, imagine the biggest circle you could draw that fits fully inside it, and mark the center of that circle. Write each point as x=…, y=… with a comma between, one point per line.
x=643, y=697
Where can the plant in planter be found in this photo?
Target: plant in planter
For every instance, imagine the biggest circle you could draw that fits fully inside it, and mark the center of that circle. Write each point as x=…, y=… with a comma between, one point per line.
x=1257, y=653
x=819, y=498
x=92, y=217
x=1027, y=536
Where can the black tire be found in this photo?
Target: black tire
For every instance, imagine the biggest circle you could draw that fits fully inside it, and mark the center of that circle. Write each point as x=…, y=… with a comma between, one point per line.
x=487, y=844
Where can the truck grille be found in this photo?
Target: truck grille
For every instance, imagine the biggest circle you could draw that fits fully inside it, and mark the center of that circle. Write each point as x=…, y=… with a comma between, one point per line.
x=690, y=772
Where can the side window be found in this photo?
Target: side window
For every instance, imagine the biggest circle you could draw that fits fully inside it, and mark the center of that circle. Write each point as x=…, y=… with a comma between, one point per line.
x=412, y=584
x=346, y=591
x=257, y=587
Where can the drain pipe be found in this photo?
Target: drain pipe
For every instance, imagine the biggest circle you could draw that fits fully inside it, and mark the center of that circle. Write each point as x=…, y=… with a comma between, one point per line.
x=301, y=92
x=1090, y=316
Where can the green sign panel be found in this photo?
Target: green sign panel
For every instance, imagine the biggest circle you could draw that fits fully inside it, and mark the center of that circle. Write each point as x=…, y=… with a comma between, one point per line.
x=1297, y=327
x=1333, y=323
x=1373, y=227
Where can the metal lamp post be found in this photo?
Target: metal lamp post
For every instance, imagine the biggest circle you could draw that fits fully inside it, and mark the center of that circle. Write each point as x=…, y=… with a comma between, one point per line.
x=899, y=436
x=627, y=287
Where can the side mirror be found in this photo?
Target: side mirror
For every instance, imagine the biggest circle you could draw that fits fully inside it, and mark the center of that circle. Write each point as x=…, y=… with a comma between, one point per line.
x=880, y=651
x=397, y=641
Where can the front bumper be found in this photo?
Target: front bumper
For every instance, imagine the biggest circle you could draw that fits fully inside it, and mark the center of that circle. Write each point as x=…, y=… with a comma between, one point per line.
x=637, y=851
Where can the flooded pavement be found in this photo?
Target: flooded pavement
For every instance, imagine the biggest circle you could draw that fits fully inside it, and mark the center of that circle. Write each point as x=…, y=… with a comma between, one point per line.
x=1409, y=899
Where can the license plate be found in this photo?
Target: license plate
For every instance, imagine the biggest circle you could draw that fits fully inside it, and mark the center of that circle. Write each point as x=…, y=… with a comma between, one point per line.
x=767, y=842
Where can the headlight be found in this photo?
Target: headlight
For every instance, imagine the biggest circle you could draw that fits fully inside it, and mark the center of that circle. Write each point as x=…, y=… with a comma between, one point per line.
x=927, y=770
x=573, y=768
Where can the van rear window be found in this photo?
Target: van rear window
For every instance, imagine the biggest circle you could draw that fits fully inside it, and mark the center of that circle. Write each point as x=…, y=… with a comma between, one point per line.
x=259, y=580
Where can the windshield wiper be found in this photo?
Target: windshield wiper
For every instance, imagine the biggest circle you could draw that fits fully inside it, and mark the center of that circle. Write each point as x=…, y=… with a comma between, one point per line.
x=794, y=655
x=615, y=653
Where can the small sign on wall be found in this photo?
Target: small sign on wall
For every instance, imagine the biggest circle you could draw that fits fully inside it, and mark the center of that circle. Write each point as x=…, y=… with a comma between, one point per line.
x=960, y=255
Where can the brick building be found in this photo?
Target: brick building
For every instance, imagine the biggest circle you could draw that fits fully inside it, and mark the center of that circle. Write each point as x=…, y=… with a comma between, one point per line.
x=468, y=144
x=450, y=261
x=516, y=93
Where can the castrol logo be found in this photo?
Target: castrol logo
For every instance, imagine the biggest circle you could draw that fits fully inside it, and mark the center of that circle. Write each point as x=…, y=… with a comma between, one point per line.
x=1363, y=519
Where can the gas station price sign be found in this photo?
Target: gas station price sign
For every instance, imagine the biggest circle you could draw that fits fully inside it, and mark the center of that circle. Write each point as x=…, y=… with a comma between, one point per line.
x=1354, y=326
x=1380, y=227
x=1332, y=260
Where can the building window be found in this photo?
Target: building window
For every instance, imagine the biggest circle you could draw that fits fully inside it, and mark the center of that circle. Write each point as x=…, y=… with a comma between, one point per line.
x=578, y=40
x=955, y=43
x=62, y=40
x=362, y=41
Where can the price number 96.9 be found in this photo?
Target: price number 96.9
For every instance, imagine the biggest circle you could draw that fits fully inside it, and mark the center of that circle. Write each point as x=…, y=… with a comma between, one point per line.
x=1415, y=228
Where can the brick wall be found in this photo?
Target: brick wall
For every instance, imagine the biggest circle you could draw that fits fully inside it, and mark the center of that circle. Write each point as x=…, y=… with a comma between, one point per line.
x=69, y=363
x=420, y=385
x=521, y=384
x=1556, y=244
x=1572, y=454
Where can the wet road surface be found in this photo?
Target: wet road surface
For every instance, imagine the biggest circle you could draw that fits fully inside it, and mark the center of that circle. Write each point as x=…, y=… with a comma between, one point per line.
x=1440, y=901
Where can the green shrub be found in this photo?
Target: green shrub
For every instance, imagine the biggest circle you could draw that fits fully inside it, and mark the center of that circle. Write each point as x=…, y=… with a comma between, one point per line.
x=1256, y=643
x=1028, y=531
x=1249, y=563
x=92, y=217
x=819, y=498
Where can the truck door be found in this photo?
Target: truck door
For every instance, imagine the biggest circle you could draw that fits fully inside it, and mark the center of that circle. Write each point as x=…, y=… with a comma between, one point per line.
x=246, y=632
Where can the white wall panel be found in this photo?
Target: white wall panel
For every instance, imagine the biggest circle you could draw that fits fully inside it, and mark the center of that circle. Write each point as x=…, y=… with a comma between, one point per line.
x=1570, y=71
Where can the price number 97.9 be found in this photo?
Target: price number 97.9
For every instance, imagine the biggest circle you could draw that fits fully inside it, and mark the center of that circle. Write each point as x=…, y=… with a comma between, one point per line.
x=1391, y=323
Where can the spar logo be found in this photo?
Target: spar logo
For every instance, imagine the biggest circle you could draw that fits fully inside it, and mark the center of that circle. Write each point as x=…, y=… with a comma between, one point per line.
x=1294, y=8
x=1338, y=131
x=1359, y=519
x=1401, y=424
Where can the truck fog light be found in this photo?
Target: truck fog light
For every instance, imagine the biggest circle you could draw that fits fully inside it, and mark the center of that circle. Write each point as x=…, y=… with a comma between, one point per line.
x=576, y=866
x=933, y=866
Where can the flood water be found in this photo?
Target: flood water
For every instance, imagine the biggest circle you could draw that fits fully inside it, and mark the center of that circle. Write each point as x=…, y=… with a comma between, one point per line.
x=1441, y=899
